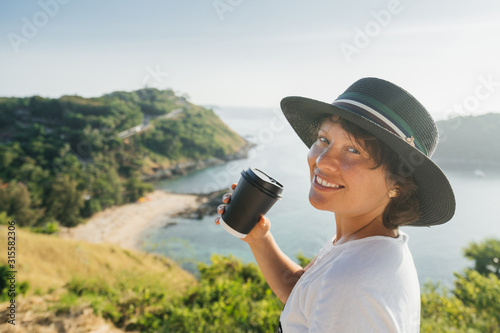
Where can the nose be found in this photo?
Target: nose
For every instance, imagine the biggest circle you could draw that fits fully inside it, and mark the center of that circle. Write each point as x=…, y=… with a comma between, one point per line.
x=328, y=158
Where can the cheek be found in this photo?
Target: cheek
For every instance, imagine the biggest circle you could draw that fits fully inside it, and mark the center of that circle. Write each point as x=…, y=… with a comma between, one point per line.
x=311, y=161
x=362, y=180
x=312, y=155
x=348, y=165
x=374, y=185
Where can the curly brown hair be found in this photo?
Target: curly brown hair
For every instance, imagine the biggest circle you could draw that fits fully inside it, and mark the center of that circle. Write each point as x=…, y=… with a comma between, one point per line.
x=404, y=208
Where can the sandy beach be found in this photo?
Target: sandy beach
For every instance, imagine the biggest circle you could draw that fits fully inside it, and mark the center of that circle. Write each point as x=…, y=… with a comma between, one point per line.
x=123, y=225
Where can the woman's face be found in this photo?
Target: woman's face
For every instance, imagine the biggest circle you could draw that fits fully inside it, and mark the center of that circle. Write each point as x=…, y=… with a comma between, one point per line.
x=353, y=188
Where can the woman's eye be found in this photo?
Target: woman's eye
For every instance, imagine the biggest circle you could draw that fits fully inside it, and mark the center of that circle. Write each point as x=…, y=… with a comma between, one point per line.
x=352, y=150
x=323, y=139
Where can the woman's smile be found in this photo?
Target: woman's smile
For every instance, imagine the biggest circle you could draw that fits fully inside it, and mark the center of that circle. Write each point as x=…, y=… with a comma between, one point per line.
x=323, y=185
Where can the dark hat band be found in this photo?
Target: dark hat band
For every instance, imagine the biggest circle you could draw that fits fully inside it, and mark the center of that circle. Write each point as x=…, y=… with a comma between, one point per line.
x=380, y=114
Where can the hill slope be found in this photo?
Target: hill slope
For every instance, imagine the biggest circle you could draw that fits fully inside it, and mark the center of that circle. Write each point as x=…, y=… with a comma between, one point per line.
x=54, y=266
x=50, y=262
x=68, y=158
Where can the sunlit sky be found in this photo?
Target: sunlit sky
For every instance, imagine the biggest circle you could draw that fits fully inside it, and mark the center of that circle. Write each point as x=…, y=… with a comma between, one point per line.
x=254, y=53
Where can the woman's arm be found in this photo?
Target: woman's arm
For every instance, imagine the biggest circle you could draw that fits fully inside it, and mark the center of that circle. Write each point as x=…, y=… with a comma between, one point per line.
x=280, y=272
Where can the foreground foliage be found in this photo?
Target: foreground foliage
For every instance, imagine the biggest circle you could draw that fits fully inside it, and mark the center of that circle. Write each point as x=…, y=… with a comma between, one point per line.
x=230, y=297
x=473, y=303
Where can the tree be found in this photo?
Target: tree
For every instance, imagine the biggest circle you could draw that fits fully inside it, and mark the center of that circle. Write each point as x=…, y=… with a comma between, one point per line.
x=486, y=256
x=65, y=200
x=9, y=158
x=15, y=202
x=135, y=188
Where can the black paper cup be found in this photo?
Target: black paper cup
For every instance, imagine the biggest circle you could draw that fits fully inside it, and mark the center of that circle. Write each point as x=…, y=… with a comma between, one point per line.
x=254, y=195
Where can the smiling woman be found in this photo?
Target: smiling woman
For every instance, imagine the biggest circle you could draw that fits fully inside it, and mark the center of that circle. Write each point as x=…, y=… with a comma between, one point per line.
x=369, y=163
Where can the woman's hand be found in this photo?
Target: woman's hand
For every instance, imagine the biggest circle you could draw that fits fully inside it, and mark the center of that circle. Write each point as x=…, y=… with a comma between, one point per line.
x=258, y=232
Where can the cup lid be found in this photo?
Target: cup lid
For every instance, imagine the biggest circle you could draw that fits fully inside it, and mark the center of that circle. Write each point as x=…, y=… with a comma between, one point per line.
x=264, y=181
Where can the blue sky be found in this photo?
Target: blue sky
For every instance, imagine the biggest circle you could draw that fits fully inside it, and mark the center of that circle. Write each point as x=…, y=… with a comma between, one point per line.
x=253, y=53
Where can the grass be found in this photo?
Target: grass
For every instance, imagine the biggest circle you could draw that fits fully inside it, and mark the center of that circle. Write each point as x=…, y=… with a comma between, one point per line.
x=49, y=263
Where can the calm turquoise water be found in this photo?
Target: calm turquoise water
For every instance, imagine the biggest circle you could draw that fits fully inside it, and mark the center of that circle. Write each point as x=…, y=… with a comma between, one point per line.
x=299, y=227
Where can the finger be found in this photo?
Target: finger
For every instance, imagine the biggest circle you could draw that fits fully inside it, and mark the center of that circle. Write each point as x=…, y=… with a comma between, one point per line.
x=263, y=223
x=217, y=220
x=226, y=198
x=233, y=186
x=259, y=231
x=220, y=209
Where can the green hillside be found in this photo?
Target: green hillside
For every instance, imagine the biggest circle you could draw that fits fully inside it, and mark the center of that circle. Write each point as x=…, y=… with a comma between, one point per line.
x=49, y=263
x=61, y=277
x=62, y=160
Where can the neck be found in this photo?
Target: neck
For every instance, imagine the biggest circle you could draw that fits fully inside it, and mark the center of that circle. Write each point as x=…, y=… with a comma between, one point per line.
x=351, y=228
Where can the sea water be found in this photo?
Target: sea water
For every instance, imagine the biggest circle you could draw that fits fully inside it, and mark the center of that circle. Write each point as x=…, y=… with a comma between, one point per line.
x=300, y=228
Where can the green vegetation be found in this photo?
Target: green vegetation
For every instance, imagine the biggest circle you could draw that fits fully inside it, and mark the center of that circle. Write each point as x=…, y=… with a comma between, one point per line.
x=472, y=305
x=486, y=256
x=49, y=263
x=62, y=160
x=5, y=292
x=229, y=297
x=193, y=134
x=48, y=228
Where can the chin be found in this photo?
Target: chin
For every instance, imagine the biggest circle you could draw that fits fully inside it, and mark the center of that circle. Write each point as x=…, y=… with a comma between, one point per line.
x=318, y=203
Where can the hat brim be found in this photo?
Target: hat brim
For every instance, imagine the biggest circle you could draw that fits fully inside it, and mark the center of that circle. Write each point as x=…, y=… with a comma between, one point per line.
x=435, y=194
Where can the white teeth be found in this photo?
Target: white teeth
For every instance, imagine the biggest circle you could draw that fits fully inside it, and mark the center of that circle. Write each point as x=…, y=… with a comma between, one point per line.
x=326, y=184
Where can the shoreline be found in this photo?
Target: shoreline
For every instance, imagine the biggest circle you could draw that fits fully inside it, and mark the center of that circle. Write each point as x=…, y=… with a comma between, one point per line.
x=184, y=168
x=124, y=225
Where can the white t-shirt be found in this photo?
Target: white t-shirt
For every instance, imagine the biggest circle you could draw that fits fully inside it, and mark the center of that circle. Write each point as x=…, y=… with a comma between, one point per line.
x=364, y=285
